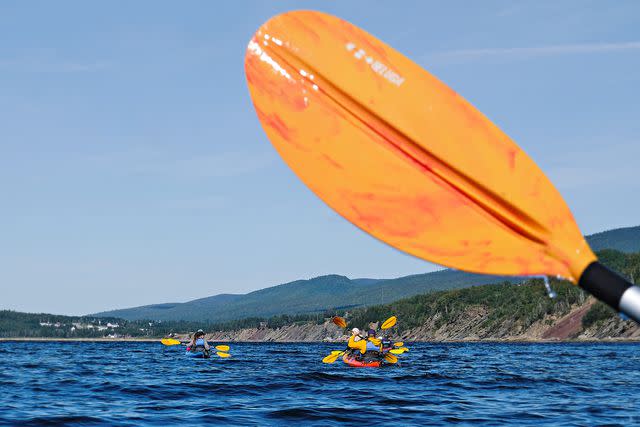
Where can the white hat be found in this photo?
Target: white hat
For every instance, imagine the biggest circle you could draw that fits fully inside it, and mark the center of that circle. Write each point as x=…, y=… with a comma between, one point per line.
x=355, y=331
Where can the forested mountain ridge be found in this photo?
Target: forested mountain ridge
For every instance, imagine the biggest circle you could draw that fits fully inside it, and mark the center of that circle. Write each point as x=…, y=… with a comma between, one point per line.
x=334, y=292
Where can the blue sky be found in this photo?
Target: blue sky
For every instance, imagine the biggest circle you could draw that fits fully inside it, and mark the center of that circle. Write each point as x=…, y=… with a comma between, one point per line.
x=133, y=169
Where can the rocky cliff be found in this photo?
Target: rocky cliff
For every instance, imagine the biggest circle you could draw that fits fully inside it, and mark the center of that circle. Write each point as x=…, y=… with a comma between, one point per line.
x=469, y=325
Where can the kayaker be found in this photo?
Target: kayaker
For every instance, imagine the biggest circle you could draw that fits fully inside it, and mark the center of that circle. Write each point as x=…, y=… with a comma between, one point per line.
x=357, y=342
x=371, y=341
x=198, y=343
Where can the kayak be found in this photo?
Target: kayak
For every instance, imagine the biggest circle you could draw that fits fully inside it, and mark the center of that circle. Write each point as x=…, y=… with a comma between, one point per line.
x=197, y=354
x=352, y=361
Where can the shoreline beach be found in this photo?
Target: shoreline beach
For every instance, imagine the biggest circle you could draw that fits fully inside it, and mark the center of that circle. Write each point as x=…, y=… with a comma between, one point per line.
x=485, y=341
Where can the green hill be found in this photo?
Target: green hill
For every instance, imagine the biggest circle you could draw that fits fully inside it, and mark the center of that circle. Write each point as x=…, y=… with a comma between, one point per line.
x=508, y=308
x=303, y=296
x=622, y=239
x=334, y=292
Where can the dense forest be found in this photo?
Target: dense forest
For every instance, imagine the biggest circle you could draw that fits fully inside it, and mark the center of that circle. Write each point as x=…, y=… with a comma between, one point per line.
x=523, y=303
x=40, y=325
x=31, y=325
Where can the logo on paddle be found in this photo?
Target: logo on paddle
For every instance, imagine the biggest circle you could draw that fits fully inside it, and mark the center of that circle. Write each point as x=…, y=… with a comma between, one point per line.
x=376, y=65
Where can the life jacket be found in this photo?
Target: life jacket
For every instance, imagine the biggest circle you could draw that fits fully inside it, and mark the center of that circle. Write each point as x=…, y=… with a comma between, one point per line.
x=359, y=345
x=372, y=347
x=374, y=343
x=198, y=346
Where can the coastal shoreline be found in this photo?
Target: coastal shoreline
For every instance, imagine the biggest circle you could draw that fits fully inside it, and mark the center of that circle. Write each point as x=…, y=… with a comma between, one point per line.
x=483, y=341
x=50, y=339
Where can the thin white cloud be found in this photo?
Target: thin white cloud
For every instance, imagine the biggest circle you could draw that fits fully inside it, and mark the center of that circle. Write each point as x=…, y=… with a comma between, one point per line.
x=528, y=52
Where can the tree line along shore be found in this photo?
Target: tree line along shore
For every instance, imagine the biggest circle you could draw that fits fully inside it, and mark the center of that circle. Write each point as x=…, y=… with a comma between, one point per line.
x=520, y=311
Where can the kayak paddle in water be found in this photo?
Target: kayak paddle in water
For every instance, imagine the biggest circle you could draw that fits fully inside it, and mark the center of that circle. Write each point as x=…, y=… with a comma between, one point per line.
x=405, y=158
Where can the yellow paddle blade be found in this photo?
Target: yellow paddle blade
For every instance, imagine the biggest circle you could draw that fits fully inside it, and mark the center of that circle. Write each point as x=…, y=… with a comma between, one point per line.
x=398, y=344
x=404, y=349
x=339, y=321
x=222, y=347
x=396, y=351
x=389, y=323
x=337, y=352
x=170, y=341
x=332, y=357
x=402, y=156
x=390, y=358
x=223, y=355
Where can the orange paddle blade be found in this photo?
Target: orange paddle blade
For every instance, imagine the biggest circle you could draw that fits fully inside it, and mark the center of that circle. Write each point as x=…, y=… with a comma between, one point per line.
x=402, y=156
x=339, y=321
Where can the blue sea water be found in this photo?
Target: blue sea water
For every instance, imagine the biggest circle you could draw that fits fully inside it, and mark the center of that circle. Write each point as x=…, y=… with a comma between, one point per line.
x=459, y=384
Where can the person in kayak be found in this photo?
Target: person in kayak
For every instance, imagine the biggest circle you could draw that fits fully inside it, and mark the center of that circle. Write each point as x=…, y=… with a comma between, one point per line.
x=357, y=342
x=373, y=343
x=355, y=338
x=361, y=347
x=198, y=343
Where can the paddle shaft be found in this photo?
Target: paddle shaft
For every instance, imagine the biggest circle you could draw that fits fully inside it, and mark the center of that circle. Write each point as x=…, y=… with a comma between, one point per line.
x=611, y=289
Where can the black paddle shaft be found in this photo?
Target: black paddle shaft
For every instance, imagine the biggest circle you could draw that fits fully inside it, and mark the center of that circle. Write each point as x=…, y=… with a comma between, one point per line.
x=611, y=289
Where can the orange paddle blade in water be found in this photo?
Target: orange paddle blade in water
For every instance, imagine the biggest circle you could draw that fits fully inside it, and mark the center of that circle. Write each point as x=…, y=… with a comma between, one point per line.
x=402, y=156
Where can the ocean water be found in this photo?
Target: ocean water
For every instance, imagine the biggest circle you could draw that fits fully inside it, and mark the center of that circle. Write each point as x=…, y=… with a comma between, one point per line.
x=488, y=384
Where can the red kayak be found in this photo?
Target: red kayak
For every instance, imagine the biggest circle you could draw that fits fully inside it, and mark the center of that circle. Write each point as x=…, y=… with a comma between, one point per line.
x=352, y=361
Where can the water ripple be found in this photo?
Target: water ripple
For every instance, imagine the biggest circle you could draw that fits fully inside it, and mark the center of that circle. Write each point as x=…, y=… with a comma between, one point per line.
x=490, y=384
